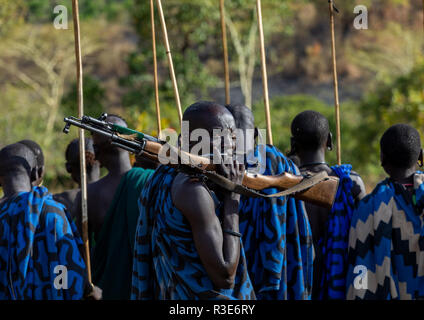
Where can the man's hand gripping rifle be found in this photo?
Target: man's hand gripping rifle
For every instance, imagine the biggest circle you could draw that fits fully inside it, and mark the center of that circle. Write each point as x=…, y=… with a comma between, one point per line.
x=319, y=189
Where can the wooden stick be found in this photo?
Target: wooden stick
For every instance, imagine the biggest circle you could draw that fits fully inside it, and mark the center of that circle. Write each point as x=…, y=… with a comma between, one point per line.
x=225, y=49
x=83, y=173
x=264, y=72
x=155, y=66
x=171, y=64
x=336, y=85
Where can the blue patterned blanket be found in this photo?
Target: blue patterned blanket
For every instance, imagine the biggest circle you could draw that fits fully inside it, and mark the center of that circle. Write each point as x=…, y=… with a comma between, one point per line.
x=40, y=257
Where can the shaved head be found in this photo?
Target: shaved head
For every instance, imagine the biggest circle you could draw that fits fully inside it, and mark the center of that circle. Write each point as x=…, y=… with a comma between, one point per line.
x=35, y=147
x=115, y=119
x=243, y=116
x=72, y=151
x=401, y=146
x=103, y=149
x=310, y=129
x=208, y=115
x=16, y=159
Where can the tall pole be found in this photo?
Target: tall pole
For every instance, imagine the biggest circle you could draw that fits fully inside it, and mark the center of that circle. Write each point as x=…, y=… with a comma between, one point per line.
x=77, y=35
x=264, y=72
x=171, y=64
x=225, y=49
x=336, y=85
x=155, y=66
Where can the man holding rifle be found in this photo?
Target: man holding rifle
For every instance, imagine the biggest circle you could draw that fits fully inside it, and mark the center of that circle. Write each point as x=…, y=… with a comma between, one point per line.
x=181, y=250
x=113, y=214
x=188, y=244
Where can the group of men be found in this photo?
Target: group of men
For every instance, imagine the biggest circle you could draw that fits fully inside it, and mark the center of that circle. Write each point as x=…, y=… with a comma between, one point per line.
x=158, y=232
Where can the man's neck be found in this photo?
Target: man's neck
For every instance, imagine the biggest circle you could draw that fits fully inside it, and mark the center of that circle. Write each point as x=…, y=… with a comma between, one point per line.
x=119, y=165
x=403, y=176
x=311, y=157
x=13, y=185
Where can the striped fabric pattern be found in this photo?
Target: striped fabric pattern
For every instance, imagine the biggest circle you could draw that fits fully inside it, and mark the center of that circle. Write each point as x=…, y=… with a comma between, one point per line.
x=166, y=263
x=387, y=238
x=277, y=238
x=36, y=236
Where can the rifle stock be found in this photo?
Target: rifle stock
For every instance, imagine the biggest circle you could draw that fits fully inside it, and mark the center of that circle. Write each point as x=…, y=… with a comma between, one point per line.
x=321, y=194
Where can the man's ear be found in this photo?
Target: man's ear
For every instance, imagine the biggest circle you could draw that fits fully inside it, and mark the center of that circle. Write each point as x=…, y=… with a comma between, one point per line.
x=40, y=172
x=330, y=142
x=34, y=174
x=421, y=159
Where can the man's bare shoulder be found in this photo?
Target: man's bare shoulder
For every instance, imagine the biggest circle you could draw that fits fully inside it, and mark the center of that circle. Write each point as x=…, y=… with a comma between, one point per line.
x=67, y=198
x=189, y=193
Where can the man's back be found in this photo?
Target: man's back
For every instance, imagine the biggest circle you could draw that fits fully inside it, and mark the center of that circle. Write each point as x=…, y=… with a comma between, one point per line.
x=386, y=243
x=38, y=244
x=330, y=230
x=100, y=195
x=113, y=254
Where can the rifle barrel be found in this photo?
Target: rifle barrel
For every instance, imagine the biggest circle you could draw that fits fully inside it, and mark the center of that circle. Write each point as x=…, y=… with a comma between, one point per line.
x=136, y=147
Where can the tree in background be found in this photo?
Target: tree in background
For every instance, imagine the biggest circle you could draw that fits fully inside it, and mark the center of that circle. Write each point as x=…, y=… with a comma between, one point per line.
x=401, y=101
x=42, y=59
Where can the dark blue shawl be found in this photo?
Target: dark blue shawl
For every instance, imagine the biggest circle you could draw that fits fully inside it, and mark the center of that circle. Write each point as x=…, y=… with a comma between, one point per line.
x=36, y=237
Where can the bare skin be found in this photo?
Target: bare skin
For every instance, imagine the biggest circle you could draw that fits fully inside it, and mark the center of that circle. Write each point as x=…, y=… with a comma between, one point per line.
x=20, y=181
x=68, y=197
x=100, y=193
x=218, y=251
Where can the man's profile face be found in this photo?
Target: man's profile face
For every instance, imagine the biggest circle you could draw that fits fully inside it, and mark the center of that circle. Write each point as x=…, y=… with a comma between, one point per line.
x=221, y=133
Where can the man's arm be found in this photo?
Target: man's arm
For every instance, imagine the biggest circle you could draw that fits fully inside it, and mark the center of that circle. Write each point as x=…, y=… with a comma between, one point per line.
x=218, y=251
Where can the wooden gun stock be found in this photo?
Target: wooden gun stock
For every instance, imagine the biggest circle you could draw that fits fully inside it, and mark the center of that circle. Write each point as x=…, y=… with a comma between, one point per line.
x=321, y=194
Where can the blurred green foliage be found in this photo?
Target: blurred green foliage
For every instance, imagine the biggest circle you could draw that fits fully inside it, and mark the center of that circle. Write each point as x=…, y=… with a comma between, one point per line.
x=386, y=60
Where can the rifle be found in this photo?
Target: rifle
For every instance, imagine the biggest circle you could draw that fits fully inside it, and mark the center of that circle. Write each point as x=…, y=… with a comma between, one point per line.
x=319, y=189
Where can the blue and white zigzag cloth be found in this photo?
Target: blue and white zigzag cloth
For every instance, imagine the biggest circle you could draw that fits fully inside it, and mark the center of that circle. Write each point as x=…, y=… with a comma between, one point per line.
x=386, y=244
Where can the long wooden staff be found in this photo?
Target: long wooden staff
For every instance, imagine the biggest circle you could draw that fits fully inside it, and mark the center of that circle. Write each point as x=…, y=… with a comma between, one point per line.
x=83, y=173
x=264, y=71
x=336, y=85
x=171, y=64
x=225, y=49
x=155, y=66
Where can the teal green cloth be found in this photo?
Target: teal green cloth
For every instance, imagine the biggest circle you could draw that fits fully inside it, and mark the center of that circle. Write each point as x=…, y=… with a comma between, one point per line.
x=113, y=254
